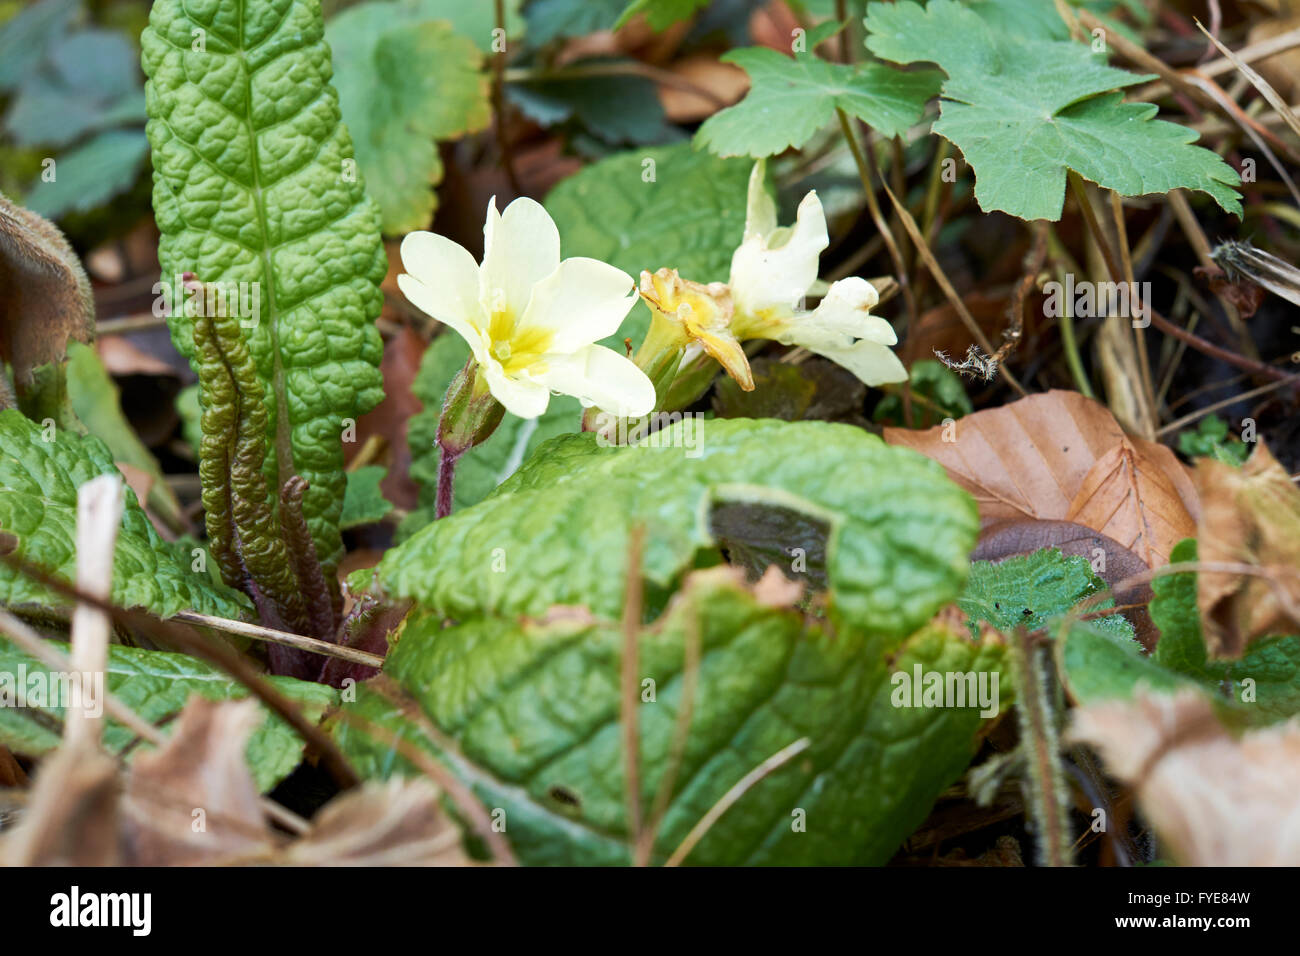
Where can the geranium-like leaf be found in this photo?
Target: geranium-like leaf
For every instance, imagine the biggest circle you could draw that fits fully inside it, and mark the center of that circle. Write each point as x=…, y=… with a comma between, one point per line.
x=792, y=98
x=403, y=86
x=1024, y=110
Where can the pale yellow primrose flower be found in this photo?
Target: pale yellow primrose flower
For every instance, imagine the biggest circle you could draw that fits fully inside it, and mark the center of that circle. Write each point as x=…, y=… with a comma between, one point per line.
x=771, y=271
x=531, y=320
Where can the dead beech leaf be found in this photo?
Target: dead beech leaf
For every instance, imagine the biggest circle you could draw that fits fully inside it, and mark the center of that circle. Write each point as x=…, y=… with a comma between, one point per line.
x=1214, y=799
x=1129, y=494
x=1251, y=516
x=1060, y=456
x=194, y=800
x=45, y=297
x=397, y=823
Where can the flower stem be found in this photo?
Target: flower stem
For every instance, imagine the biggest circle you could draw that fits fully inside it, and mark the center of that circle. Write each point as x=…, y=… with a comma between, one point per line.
x=446, y=478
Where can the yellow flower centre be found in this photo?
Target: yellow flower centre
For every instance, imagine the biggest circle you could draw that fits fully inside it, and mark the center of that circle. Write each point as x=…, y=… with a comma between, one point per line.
x=516, y=348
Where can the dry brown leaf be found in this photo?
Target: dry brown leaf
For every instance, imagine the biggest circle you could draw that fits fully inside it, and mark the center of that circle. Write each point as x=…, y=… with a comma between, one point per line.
x=194, y=800
x=1251, y=516
x=726, y=81
x=69, y=819
x=1130, y=494
x=1214, y=799
x=45, y=296
x=1281, y=69
x=123, y=356
x=11, y=772
x=1060, y=456
x=397, y=823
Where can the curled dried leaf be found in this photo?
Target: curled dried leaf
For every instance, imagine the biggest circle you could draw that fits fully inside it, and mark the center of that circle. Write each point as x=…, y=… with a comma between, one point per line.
x=1214, y=799
x=1252, y=516
x=45, y=297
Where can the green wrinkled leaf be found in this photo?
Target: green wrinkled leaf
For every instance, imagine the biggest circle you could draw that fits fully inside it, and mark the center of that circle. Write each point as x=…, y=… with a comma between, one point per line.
x=528, y=715
x=1031, y=590
x=91, y=174
x=1023, y=110
x=792, y=98
x=364, y=502
x=899, y=530
x=649, y=208
x=94, y=399
x=937, y=393
x=38, y=505
x=155, y=685
x=403, y=86
x=251, y=186
x=484, y=466
x=1096, y=671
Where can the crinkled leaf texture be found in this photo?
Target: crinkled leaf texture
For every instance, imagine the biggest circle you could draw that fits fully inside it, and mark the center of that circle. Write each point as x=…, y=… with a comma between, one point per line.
x=898, y=530
x=405, y=81
x=520, y=694
x=38, y=505
x=1024, y=109
x=253, y=183
x=528, y=714
x=1030, y=591
x=1099, y=668
x=792, y=98
x=155, y=685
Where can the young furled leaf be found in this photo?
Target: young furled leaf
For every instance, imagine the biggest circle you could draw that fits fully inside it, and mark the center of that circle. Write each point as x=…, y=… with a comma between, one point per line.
x=1025, y=110
x=255, y=189
x=791, y=99
x=40, y=471
x=403, y=86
